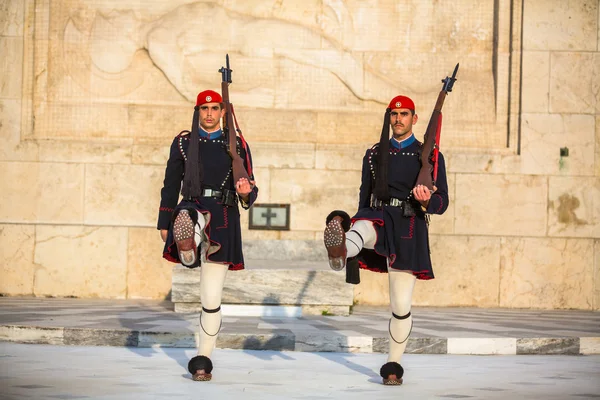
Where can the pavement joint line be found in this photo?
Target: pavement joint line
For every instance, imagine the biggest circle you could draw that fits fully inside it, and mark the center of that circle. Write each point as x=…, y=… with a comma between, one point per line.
x=308, y=342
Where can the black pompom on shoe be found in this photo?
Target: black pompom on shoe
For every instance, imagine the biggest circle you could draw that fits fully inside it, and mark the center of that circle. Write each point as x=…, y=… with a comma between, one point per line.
x=392, y=373
x=200, y=363
x=345, y=219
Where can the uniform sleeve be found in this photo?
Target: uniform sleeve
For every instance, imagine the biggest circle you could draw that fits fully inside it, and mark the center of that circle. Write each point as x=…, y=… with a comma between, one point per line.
x=438, y=203
x=169, y=194
x=364, y=197
x=253, y=195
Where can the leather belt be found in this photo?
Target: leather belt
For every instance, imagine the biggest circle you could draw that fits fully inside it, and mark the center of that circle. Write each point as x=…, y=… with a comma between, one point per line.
x=208, y=192
x=394, y=202
x=225, y=196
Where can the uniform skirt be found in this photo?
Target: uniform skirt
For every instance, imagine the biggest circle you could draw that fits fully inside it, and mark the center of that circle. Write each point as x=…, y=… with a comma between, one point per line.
x=223, y=231
x=402, y=240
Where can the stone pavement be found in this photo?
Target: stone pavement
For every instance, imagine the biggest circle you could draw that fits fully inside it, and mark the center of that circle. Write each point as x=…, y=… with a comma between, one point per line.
x=436, y=330
x=74, y=372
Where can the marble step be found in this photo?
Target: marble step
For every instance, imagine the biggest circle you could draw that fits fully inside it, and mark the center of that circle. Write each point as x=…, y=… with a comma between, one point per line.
x=270, y=288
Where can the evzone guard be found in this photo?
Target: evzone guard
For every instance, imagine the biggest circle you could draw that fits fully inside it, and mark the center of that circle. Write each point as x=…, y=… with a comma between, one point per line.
x=203, y=230
x=403, y=181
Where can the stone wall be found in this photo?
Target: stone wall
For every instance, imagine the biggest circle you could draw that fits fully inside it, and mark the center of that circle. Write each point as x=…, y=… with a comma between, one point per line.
x=91, y=94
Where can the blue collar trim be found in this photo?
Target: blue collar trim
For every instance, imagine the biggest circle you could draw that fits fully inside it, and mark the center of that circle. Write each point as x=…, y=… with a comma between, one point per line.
x=403, y=144
x=212, y=135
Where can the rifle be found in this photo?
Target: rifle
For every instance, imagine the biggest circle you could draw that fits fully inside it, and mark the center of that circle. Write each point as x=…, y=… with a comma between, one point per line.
x=237, y=163
x=430, y=152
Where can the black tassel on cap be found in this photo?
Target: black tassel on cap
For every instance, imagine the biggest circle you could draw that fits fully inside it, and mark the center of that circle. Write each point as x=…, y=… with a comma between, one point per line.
x=382, y=191
x=194, y=172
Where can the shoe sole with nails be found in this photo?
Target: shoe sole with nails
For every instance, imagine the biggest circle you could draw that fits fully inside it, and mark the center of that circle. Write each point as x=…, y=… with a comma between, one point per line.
x=334, y=238
x=183, y=230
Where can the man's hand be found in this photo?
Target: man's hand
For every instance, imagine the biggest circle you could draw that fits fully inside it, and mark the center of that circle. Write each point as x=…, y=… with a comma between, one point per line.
x=422, y=194
x=243, y=187
x=163, y=234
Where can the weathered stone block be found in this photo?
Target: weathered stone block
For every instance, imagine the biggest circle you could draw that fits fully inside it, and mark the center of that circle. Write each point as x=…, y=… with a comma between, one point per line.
x=80, y=261
x=41, y=192
x=536, y=80
x=596, y=276
x=548, y=346
x=11, y=18
x=13, y=149
x=314, y=194
x=11, y=67
x=467, y=272
x=546, y=273
x=122, y=194
x=286, y=250
x=500, y=204
x=84, y=152
x=560, y=25
x=262, y=287
x=283, y=155
x=574, y=82
x=573, y=206
x=542, y=137
x=16, y=252
x=148, y=274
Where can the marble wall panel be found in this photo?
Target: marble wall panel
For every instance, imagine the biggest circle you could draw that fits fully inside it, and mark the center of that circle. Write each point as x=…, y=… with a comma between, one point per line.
x=286, y=126
x=560, y=25
x=546, y=273
x=41, y=192
x=283, y=155
x=467, y=272
x=340, y=157
x=122, y=194
x=349, y=128
x=444, y=224
x=11, y=67
x=74, y=151
x=574, y=207
x=81, y=121
x=89, y=262
x=597, y=152
x=302, y=235
x=314, y=194
x=374, y=289
x=535, y=89
x=148, y=274
x=286, y=249
x=542, y=137
x=573, y=82
x=103, y=53
x=16, y=252
x=12, y=18
x=150, y=154
x=596, y=79
x=596, y=277
x=500, y=204
x=156, y=124
x=263, y=287
x=462, y=127
x=471, y=162
x=10, y=134
x=344, y=91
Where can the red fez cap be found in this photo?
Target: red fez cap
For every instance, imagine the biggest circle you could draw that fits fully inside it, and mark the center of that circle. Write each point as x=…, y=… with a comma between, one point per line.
x=208, y=96
x=401, y=102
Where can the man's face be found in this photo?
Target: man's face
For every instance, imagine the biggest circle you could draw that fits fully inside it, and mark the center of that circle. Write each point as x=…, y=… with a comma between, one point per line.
x=210, y=116
x=402, y=121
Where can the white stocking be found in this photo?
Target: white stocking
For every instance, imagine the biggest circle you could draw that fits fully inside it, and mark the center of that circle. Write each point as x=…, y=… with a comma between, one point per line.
x=401, y=289
x=212, y=279
x=361, y=234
